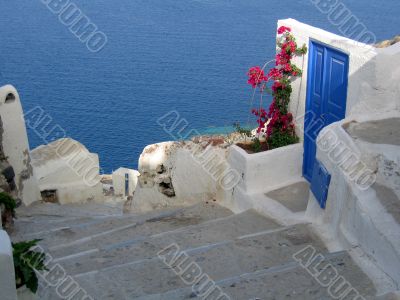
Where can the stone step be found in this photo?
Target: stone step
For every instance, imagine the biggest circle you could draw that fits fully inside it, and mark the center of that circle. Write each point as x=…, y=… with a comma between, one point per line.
x=26, y=228
x=90, y=209
x=287, y=281
x=89, y=239
x=245, y=254
x=142, y=248
x=80, y=231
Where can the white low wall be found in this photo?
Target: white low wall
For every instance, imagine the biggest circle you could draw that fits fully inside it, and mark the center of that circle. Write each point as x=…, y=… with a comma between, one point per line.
x=67, y=166
x=118, y=178
x=260, y=173
x=15, y=145
x=178, y=173
x=7, y=276
x=354, y=217
x=265, y=170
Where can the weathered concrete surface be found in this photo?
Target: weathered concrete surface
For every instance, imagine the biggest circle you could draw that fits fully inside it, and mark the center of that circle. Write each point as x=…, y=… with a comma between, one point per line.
x=207, y=233
x=87, y=238
x=384, y=131
x=240, y=256
x=389, y=200
x=249, y=256
x=287, y=281
x=294, y=196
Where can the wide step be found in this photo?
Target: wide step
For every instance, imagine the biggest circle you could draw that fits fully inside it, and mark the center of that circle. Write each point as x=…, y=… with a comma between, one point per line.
x=141, y=248
x=57, y=230
x=289, y=281
x=246, y=254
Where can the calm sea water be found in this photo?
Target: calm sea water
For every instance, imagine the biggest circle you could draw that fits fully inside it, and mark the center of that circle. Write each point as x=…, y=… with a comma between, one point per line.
x=187, y=55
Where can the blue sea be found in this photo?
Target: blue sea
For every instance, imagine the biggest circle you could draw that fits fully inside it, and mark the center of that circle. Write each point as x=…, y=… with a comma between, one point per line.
x=185, y=55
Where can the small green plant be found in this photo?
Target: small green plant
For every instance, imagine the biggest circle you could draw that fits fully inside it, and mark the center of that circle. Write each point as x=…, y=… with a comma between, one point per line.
x=256, y=145
x=9, y=212
x=8, y=201
x=280, y=139
x=241, y=130
x=26, y=261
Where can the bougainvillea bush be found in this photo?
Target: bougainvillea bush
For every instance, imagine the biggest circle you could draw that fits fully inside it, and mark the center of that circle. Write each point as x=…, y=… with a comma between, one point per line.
x=276, y=123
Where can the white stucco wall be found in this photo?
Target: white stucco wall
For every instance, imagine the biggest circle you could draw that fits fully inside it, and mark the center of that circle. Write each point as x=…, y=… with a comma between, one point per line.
x=365, y=81
x=265, y=170
x=387, y=75
x=67, y=166
x=355, y=217
x=192, y=181
x=16, y=147
x=118, y=178
x=7, y=276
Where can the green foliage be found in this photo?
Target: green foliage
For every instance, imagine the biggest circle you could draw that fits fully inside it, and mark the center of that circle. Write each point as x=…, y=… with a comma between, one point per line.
x=8, y=201
x=241, y=130
x=256, y=145
x=26, y=261
x=280, y=139
x=302, y=50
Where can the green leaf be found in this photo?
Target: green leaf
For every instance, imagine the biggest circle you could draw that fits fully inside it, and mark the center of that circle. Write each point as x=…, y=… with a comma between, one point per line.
x=26, y=261
x=33, y=284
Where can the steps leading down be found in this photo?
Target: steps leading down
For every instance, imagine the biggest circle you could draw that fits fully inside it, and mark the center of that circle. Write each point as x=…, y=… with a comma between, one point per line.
x=200, y=252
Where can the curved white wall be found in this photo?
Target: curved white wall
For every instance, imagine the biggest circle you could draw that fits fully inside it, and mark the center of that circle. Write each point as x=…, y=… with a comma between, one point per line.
x=15, y=145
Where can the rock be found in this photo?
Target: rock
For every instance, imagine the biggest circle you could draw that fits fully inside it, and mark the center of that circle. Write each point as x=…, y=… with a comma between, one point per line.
x=167, y=180
x=169, y=192
x=9, y=173
x=4, y=186
x=388, y=43
x=160, y=169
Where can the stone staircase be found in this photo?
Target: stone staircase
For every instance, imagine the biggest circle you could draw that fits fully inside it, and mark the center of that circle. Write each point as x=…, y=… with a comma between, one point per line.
x=247, y=256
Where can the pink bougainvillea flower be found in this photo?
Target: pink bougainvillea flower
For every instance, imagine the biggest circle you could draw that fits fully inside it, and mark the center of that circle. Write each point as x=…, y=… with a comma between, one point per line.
x=283, y=29
x=289, y=47
x=287, y=68
x=282, y=58
x=256, y=76
x=277, y=85
x=277, y=117
x=275, y=74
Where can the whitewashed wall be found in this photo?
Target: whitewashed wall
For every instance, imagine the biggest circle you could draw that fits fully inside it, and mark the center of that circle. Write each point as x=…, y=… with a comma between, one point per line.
x=265, y=170
x=387, y=74
x=15, y=145
x=67, y=166
x=7, y=277
x=178, y=167
x=118, y=178
x=363, y=85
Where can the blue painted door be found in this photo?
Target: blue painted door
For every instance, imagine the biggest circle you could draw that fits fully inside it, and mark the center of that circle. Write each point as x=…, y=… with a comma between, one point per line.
x=326, y=96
